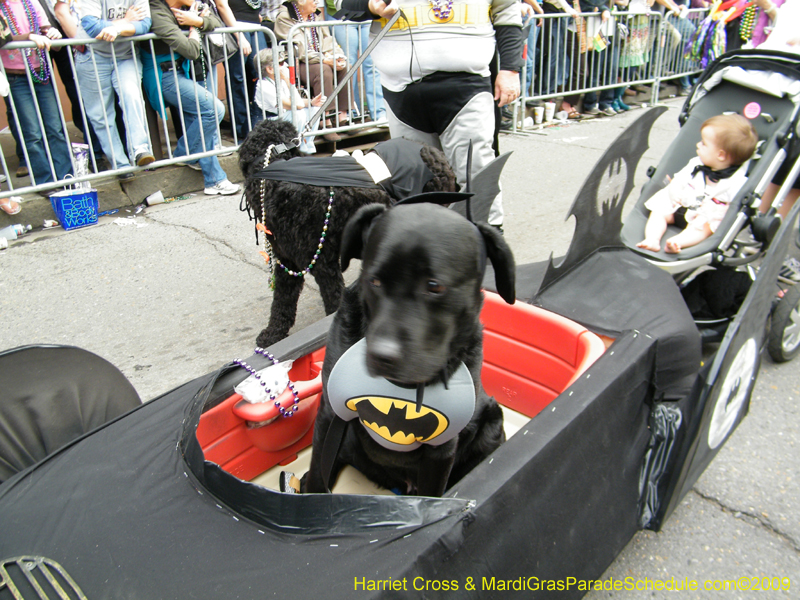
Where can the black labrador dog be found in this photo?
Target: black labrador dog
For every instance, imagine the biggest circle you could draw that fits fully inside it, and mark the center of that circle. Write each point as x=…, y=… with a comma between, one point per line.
x=304, y=216
x=410, y=325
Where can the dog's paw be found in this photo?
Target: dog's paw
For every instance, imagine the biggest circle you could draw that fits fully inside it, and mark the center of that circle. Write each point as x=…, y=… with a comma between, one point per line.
x=267, y=337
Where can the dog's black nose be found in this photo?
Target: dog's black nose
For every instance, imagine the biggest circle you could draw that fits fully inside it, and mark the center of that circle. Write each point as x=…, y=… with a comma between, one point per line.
x=383, y=356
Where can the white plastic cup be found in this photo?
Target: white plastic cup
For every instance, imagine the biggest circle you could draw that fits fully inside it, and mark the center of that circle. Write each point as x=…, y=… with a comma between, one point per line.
x=549, y=110
x=12, y=232
x=154, y=198
x=538, y=114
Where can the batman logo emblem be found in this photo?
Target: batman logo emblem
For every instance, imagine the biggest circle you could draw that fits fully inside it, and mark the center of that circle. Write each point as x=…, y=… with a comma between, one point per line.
x=398, y=420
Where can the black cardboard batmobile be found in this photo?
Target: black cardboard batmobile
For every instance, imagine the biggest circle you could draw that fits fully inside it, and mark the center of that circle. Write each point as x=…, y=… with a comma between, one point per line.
x=611, y=419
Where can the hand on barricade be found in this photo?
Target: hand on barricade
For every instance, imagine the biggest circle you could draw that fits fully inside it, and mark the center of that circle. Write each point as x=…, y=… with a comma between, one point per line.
x=108, y=34
x=42, y=42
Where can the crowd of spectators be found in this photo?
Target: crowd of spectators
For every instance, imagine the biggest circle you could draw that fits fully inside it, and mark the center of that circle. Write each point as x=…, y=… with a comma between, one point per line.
x=614, y=43
x=116, y=77
x=109, y=80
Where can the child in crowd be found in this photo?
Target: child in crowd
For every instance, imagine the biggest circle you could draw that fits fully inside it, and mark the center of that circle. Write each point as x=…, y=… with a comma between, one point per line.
x=698, y=196
x=266, y=99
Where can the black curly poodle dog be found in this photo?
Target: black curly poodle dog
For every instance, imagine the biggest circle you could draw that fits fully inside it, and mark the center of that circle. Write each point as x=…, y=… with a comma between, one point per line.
x=304, y=203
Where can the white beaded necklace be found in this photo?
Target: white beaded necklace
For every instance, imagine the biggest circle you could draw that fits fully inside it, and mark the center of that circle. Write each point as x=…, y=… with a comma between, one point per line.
x=268, y=253
x=314, y=42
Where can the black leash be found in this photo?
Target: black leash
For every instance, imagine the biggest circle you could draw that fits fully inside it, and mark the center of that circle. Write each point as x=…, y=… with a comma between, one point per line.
x=330, y=449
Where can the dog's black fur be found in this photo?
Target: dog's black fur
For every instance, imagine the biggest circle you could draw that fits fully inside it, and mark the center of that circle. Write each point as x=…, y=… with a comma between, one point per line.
x=417, y=302
x=295, y=214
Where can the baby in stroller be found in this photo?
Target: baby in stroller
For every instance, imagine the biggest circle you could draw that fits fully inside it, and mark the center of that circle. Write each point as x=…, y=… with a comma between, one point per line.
x=697, y=198
x=764, y=87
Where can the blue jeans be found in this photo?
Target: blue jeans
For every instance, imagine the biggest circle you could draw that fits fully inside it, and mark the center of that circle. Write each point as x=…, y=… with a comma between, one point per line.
x=530, y=61
x=354, y=39
x=100, y=90
x=37, y=143
x=179, y=91
x=602, y=70
x=240, y=94
x=558, y=62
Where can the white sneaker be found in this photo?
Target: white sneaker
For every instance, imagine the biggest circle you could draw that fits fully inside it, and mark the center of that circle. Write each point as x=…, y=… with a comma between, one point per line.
x=228, y=150
x=192, y=165
x=224, y=188
x=790, y=271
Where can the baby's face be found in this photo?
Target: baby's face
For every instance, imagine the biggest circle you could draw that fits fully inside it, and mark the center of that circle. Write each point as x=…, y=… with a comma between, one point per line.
x=709, y=151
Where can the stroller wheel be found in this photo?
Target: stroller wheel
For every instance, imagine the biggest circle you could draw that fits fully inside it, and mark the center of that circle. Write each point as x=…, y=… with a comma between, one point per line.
x=784, y=334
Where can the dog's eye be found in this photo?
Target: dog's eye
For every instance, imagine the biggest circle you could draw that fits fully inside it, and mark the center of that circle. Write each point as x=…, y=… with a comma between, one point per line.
x=435, y=288
x=375, y=282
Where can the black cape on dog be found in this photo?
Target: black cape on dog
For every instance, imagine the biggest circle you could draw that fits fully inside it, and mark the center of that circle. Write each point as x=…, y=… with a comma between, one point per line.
x=409, y=173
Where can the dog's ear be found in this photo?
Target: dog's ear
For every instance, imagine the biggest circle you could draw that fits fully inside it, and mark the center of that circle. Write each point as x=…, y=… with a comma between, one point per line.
x=505, y=273
x=356, y=232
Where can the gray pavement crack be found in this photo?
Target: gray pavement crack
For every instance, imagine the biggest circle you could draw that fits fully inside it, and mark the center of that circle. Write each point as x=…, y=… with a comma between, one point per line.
x=751, y=518
x=235, y=253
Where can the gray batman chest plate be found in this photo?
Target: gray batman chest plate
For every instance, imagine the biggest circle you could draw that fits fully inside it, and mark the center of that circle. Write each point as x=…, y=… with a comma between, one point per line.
x=389, y=412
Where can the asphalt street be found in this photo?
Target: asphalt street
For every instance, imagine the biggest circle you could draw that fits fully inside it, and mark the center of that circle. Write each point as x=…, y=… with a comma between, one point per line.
x=171, y=292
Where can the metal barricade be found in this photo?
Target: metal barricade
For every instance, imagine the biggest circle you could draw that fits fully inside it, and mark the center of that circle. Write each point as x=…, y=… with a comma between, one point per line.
x=33, y=142
x=560, y=69
x=675, y=34
x=637, y=49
